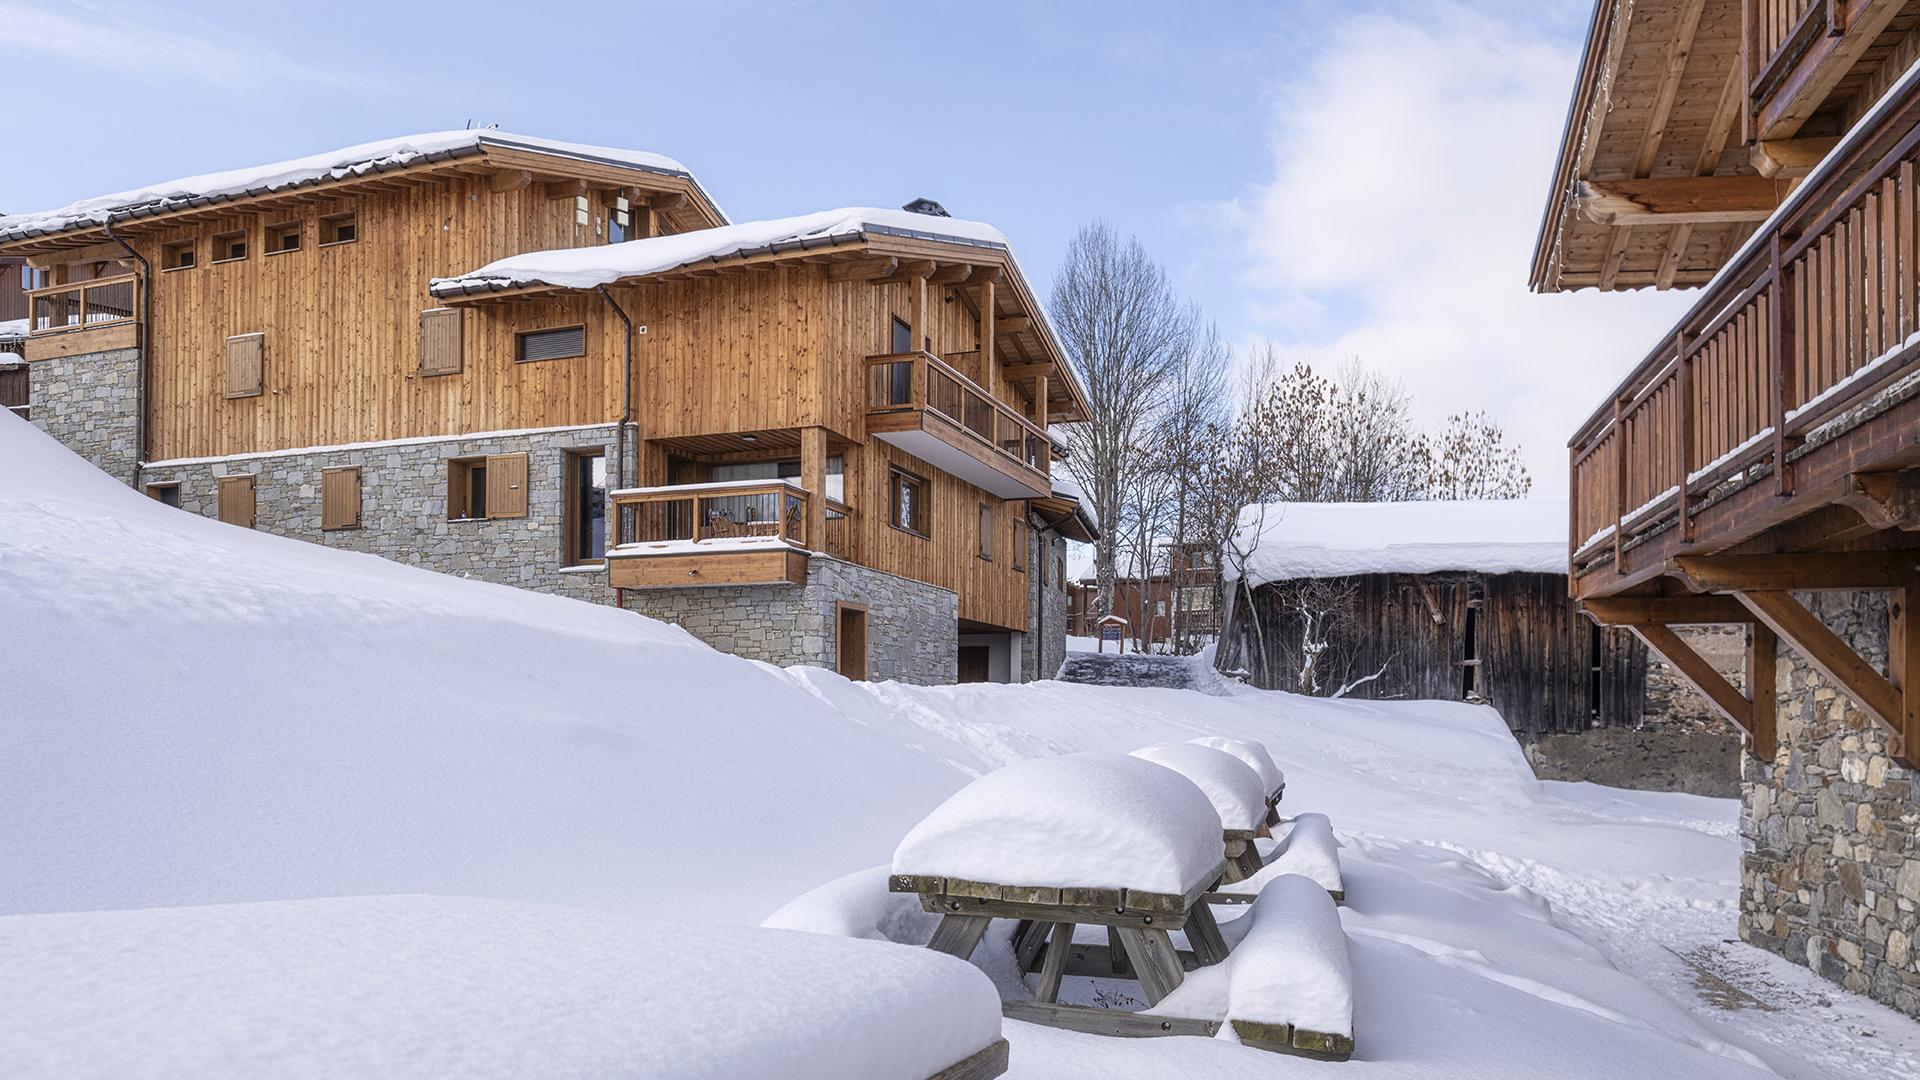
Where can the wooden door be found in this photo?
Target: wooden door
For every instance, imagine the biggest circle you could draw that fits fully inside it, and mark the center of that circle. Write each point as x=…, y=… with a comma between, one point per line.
x=974, y=663
x=850, y=642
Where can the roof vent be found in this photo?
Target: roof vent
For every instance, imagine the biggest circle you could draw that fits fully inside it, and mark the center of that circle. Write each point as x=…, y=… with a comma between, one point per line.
x=927, y=207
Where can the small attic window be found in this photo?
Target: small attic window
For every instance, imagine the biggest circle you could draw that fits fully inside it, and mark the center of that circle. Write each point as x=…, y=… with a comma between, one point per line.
x=283, y=238
x=229, y=247
x=177, y=255
x=339, y=229
x=582, y=210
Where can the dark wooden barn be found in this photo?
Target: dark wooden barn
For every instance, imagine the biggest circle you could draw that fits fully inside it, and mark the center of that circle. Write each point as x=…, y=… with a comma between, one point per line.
x=1447, y=601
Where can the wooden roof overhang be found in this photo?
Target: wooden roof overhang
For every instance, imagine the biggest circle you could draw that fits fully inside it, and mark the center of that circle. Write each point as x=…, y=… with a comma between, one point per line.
x=878, y=257
x=1066, y=517
x=507, y=167
x=1691, y=121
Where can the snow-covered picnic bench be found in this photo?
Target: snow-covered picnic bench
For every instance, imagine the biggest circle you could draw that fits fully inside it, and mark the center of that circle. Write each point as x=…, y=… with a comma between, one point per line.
x=1234, y=789
x=1133, y=844
x=1272, y=780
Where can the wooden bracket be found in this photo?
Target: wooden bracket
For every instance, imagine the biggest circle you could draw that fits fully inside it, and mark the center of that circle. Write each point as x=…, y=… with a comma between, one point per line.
x=1730, y=702
x=1829, y=655
x=1885, y=500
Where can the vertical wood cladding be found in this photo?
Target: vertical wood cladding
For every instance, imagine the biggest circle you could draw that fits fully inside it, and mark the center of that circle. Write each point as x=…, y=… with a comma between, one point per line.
x=1542, y=664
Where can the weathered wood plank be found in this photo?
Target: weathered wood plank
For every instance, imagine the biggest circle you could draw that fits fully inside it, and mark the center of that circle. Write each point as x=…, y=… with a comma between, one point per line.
x=959, y=935
x=1059, y=947
x=1155, y=961
x=983, y=1065
x=1111, y=1022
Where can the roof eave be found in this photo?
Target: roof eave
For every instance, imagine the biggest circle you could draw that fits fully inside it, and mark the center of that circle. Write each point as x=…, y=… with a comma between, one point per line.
x=1540, y=279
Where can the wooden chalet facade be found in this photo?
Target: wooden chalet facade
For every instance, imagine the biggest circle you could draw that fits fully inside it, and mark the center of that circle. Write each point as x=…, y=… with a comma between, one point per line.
x=1757, y=466
x=844, y=437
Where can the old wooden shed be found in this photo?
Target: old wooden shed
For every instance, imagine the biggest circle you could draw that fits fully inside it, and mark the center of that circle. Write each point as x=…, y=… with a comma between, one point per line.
x=1445, y=600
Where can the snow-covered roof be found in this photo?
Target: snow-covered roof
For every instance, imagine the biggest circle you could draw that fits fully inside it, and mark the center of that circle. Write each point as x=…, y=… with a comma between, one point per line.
x=588, y=267
x=1317, y=540
x=12, y=328
x=341, y=164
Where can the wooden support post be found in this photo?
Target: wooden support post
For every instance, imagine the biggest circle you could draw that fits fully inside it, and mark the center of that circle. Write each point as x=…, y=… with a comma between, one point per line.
x=813, y=477
x=922, y=329
x=1203, y=933
x=1117, y=953
x=1780, y=335
x=959, y=935
x=1040, y=391
x=1055, y=966
x=1028, y=937
x=1763, y=654
x=1831, y=656
x=1903, y=667
x=989, y=311
x=1155, y=961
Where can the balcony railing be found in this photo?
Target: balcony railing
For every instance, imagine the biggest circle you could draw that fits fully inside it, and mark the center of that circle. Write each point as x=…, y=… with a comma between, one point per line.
x=83, y=304
x=771, y=510
x=1815, y=315
x=902, y=382
x=1780, y=30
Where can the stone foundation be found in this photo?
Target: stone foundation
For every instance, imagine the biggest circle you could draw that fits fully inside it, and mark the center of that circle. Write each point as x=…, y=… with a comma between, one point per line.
x=912, y=627
x=88, y=402
x=403, y=505
x=1830, y=877
x=1643, y=759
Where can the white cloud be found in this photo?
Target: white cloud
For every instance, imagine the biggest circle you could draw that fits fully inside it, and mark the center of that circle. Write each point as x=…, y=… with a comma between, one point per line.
x=1412, y=157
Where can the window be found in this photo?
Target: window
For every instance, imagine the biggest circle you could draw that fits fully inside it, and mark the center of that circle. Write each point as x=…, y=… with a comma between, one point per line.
x=246, y=365
x=907, y=502
x=1196, y=599
x=480, y=488
x=1019, y=545
x=167, y=494
x=339, y=229
x=986, y=532
x=283, y=238
x=620, y=222
x=440, y=349
x=340, y=498
x=584, y=534
x=902, y=335
x=32, y=278
x=236, y=501
x=177, y=255
x=229, y=247
x=555, y=344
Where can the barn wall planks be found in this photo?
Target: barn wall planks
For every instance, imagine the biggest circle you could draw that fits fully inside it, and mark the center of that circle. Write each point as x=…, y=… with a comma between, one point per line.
x=1537, y=653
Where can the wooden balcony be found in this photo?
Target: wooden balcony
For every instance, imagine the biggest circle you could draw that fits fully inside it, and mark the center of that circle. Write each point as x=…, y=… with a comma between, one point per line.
x=1798, y=53
x=1787, y=401
x=751, y=533
x=84, y=317
x=919, y=403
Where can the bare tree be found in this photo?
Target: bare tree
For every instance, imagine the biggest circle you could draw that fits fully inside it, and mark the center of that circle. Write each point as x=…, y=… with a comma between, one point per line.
x=1126, y=332
x=1472, y=460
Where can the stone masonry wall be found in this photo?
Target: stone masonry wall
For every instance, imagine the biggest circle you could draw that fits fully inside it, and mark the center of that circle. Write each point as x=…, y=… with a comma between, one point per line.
x=912, y=627
x=1831, y=873
x=1043, y=652
x=88, y=403
x=403, y=505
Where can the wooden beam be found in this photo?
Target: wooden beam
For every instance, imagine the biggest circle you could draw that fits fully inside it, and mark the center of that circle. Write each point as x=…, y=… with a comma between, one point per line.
x=1012, y=324
x=1054, y=967
x=1903, y=668
x=1791, y=158
x=1806, y=86
x=1712, y=685
x=862, y=269
x=509, y=180
x=982, y=274
x=952, y=274
x=1665, y=610
x=1885, y=500
x=988, y=311
x=1040, y=391
x=1679, y=47
x=1672, y=200
x=813, y=477
x=564, y=189
x=912, y=270
x=667, y=200
x=959, y=935
x=1809, y=571
x=1831, y=656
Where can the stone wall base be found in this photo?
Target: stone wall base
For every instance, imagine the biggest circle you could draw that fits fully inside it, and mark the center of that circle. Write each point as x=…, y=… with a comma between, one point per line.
x=88, y=403
x=1645, y=759
x=912, y=627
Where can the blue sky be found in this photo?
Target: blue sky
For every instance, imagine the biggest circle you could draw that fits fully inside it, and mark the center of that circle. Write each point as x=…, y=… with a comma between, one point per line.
x=1356, y=179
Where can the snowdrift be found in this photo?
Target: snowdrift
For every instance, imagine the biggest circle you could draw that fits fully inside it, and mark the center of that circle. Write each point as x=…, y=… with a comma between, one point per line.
x=200, y=714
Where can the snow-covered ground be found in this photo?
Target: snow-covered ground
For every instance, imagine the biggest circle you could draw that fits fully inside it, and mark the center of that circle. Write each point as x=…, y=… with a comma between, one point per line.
x=201, y=715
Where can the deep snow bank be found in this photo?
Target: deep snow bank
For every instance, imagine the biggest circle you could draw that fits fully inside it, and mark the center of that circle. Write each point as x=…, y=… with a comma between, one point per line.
x=196, y=713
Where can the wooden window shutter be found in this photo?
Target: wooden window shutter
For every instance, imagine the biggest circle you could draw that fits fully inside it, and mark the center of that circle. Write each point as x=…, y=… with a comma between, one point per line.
x=236, y=501
x=246, y=363
x=506, y=485
x=340, y=498
x=440, y=348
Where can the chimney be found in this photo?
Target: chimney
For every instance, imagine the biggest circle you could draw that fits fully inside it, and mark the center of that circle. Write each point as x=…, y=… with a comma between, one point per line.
x=927, y=207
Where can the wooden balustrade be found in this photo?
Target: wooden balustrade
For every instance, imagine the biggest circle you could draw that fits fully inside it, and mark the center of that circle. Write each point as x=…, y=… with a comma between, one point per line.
x=1815, y=314
x=1778, y=29
x=914, y=381
x=83, y=304
x=770, y=509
